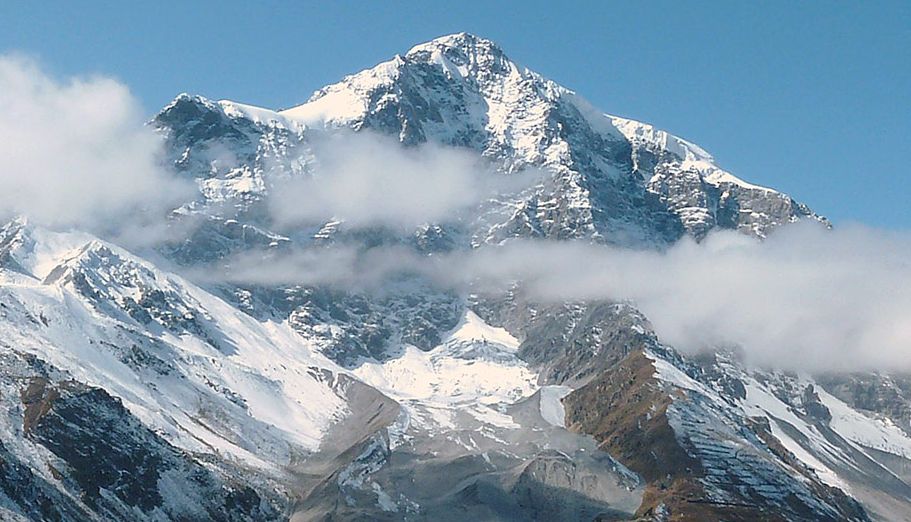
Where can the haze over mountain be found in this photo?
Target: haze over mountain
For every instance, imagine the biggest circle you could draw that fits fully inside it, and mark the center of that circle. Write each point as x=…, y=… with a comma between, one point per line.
x=443, y=287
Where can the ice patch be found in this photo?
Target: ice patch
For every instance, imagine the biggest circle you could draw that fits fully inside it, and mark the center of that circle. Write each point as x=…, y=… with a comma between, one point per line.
x=551, y=405
x=822, y=471
x=472, y=372
x=439, y=377
x=473, y=328
x=877, y=433
x=761, y=403
x=383, y=499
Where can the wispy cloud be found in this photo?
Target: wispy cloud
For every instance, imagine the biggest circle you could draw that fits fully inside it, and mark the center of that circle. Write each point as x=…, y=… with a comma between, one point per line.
x=367, y=179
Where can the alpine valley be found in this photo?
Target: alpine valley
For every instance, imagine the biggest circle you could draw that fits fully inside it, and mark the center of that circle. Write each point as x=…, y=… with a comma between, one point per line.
x=132, y=389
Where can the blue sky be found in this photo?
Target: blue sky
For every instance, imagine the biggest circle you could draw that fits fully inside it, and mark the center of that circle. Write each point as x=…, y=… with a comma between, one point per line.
x=813, y=98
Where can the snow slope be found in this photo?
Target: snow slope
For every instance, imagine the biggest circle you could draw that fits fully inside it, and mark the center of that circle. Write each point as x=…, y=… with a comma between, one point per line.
x=192, y=367
x=475, y=371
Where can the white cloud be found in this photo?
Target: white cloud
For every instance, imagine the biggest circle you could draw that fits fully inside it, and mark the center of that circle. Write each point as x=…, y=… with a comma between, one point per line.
x=76, y=153
x=367, y=179
x=805, y=298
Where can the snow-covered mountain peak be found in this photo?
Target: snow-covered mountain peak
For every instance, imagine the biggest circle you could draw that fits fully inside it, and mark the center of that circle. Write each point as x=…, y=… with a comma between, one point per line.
x=429, y=78
x=612, y=179
x=471, y=55
x=185, y=98
x=466, y=43
x=34, y=251
x=460, y=55
x=148, y=393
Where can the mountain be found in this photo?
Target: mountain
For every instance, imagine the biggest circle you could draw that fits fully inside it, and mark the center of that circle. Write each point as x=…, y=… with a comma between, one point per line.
x=615, y=180
x=137, y=390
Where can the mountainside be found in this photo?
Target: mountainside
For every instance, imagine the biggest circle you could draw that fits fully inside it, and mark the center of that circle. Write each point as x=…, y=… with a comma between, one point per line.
x=141, y=386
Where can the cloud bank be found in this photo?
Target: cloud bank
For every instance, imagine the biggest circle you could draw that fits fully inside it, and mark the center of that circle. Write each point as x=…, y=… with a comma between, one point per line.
x=75, y=153
x=805, y=298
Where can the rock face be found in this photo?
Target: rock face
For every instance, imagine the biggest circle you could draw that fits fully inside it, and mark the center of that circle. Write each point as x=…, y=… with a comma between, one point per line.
x=701, y=460
x=121, y=456
x=101, y=462
x=134, y=394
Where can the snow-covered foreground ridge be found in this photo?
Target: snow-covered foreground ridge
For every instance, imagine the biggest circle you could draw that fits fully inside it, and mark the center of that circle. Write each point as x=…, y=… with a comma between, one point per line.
x=192, y=367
